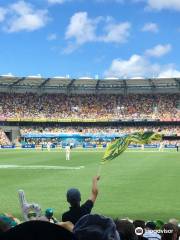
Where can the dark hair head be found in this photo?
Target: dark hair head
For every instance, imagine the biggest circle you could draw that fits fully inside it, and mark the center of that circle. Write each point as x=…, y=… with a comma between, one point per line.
x=139, y=223
x=3, y=226
x=170, y=232
x=96, y=227
x=126, y=229
x=151, y=225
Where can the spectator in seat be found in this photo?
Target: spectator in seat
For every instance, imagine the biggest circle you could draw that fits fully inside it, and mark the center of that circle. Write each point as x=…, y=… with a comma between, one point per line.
x=150, y=232
x=141, y=224
x=126, y=229
x=48, y=216
x=3, y=226
x=95, y=227
x=174, y=221
x=36, y=230
x=7, y=222
x=170, y=232
x=76, y=210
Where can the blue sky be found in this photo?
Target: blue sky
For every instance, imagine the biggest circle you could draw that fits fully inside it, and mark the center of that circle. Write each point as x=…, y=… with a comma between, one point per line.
x=104, y=38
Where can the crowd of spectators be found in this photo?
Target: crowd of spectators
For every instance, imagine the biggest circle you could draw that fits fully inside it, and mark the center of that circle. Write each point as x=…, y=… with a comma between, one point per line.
x=3, y=138
x=165, y=130
x=78, y=223
x=163, y=107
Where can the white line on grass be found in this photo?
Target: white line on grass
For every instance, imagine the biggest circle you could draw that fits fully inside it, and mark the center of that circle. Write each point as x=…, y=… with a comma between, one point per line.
x=40, y=167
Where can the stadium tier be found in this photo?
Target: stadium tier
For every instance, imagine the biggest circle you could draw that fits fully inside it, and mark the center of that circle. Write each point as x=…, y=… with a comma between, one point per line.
x=108, y=107
x=3, y=138
x=61, y=107
x=167, y=131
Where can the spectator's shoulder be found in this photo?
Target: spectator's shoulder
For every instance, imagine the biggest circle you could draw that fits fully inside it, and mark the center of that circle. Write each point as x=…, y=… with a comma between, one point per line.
x=65, y=216
x=87, y=205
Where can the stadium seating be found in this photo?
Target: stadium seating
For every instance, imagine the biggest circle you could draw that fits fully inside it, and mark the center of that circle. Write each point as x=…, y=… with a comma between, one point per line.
x=168, y=130
x=165, y=130
x=3, y=138
x=15, y=106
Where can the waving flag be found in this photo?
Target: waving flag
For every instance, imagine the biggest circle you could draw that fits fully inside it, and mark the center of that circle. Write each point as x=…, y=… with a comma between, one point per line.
x=121, y=144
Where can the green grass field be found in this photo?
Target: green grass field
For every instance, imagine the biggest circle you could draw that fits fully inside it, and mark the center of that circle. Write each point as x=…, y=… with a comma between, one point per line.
x=139, y=185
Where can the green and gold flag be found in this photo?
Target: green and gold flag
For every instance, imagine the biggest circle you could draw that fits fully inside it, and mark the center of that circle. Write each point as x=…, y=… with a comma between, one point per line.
x=121, y=144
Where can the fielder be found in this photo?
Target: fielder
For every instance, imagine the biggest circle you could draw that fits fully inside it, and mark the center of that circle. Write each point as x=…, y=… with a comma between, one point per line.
x=68, y=150
x=161, y=147
x=42, y=146
x=177, y=147
x=142, y=147
x=49, y=146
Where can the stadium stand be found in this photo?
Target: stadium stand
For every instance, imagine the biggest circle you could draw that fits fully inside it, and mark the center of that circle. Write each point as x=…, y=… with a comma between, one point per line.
x=35, y=104
x=56, y=107
x=167, y=131
x=3, y=138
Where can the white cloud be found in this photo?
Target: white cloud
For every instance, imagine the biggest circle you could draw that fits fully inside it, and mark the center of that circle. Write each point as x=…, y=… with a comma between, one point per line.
x=83, y=29
x=52, y=37
x=71, y=47
x=2, y=14
x=159, y=50
x=56, y=1
x=116, y=1
x=150, y=27
x=140, y=66
x=169, y=73
x=163, y=4
x=117, y=33
x=136, y=65
x=98, y=1
x=22, y=16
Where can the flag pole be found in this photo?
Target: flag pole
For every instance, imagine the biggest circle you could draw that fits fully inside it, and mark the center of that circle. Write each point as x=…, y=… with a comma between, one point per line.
x=99, y=170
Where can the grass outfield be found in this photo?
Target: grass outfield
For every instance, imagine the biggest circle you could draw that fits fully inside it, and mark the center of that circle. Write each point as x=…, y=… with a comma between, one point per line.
x=139, y=185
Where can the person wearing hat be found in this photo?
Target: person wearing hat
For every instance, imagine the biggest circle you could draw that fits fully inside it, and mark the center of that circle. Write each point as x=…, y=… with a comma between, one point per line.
x=48, y=216
x=76, y=210
x=150, y=232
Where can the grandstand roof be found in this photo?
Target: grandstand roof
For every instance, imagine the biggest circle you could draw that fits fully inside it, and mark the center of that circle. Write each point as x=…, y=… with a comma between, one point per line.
x=89, y=85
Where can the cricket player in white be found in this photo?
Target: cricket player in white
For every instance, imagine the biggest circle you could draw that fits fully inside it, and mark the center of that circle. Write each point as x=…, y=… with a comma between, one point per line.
x=49, y=146
x=142, y=147
x=161, y=147
x=68, y=150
